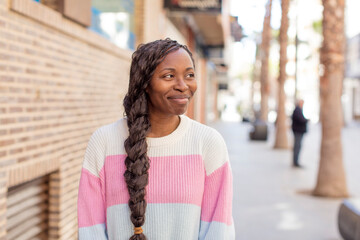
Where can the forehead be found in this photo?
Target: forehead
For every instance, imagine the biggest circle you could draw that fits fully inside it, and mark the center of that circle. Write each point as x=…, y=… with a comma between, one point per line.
x=179, y=58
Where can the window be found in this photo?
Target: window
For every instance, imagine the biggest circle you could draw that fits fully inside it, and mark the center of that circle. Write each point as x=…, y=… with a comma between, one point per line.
x=114, y=20
x=78, y=11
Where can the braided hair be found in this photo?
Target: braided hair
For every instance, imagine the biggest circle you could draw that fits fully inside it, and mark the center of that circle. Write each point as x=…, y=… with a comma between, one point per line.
x=144, y=62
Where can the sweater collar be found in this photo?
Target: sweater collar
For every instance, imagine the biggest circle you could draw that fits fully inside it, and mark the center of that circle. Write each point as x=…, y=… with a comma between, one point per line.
x=172, y=137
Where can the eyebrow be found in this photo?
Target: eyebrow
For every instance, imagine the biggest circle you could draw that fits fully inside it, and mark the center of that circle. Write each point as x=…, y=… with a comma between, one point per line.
x=173, y=69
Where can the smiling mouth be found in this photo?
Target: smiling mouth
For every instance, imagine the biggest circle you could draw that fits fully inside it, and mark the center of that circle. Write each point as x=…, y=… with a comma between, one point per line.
x=180, y=99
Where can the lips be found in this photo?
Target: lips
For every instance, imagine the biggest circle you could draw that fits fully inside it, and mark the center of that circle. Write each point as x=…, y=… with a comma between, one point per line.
x=180, y=99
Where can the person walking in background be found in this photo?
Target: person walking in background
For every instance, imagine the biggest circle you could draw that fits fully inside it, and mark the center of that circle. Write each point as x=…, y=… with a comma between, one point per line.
x=299, y=128
x=156, y=174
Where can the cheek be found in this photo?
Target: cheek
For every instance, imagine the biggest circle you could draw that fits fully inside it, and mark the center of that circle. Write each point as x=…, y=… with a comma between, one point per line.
x=193, y=86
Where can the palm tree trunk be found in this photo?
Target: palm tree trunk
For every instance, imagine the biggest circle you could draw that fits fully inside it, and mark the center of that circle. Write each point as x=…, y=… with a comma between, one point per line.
x=331, y=181
x=264, y=54
x=255, y=77
x=281, y=140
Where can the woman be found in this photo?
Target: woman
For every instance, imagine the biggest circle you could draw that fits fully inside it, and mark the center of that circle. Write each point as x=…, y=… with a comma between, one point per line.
x=156, y=174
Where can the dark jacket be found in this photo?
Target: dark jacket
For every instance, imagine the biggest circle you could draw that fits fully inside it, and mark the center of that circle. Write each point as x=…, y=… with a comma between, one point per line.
x=299, y=122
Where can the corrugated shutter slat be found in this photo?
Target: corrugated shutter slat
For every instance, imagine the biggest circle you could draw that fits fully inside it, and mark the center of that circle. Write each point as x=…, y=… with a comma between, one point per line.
x=27, y=210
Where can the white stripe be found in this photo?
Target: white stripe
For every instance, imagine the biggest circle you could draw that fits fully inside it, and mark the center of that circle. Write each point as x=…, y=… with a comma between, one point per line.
x=96, y=232
x=216, y=231
x=163, y=222
x=189, y=138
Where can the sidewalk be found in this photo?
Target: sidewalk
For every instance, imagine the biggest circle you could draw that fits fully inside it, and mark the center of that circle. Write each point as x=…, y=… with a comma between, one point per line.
x=269, y=198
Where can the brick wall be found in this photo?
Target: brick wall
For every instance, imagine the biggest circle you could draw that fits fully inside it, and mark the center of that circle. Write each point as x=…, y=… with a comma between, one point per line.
x=58, y=83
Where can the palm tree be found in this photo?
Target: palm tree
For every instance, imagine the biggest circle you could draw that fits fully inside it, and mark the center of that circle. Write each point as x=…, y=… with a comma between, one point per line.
x=264, y=55
x=331, y=180
x=281, y=140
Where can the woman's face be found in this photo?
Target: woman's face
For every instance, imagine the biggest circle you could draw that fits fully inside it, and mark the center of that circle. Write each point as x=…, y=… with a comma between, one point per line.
x=172, y=85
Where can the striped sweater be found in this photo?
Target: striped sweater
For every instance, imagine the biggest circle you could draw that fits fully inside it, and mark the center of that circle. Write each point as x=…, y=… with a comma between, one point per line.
x=189, y=194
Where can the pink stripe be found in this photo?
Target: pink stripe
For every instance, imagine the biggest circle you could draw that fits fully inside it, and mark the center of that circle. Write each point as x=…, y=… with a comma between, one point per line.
x=172, y=179
x=217, y=202
x=91, y=209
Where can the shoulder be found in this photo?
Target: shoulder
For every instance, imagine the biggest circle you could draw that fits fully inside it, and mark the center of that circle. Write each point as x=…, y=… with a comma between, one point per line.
x=213, y=147
x=108, y=131
x=204, y=132
x=98, y=145
x=297, y=111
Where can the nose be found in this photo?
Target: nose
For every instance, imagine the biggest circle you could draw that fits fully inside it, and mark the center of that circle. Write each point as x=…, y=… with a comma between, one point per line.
x=181, y=85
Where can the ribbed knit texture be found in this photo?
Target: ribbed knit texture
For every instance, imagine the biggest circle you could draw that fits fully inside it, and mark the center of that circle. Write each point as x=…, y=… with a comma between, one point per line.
x=189, y=194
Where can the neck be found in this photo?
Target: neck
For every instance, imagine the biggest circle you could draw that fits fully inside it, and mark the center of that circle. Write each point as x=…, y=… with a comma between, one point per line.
x=162, y=126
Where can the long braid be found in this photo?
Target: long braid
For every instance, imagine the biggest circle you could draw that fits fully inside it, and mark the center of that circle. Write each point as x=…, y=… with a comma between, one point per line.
x=144, y=62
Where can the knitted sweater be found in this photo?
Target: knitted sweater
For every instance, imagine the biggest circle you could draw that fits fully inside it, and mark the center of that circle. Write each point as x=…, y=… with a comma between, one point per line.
x=189, y=194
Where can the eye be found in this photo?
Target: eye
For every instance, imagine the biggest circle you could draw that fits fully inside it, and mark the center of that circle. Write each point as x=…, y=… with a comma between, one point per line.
x=190, y=75
x=168, y=76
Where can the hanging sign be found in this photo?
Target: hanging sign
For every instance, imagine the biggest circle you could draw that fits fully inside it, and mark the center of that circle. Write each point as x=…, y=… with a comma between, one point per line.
x=193, y=5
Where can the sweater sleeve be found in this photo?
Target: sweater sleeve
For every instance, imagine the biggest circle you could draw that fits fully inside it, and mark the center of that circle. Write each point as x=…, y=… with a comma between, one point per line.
x=216, y=210
x=91, y=197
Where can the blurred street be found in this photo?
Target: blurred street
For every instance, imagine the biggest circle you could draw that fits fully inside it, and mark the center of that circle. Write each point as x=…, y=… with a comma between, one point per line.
x=271, y=199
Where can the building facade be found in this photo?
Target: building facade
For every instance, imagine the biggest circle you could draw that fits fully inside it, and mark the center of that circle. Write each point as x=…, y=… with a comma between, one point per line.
x=59, y=81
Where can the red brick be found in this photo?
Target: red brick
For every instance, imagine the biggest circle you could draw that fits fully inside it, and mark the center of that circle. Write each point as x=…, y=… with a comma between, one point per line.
x=7, y=120
x=16, y=69
x=15, y=48
x=16, y=130
x=25, y=40
x=31, y=33
x=24, y=119
x=15, y=90
x=31, y=147
x=30, y=52
x=3, y=45
x=23, y=159
x=2, y=154
x=24, y=100
x=31, y=71
x=7, y=36
x=6, y=142
x=5, y=78
x=16, y=150
x=2, y=23
x=28, y=129
x=24, y=139
x=31, y=109
x=8, y=57
x=24, y=80
x=15, y=109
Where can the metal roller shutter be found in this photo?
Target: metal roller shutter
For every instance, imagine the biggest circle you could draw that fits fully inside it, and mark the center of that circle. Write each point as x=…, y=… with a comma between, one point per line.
x=27, y=210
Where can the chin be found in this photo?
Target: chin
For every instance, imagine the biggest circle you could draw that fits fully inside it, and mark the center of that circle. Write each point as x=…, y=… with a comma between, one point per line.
x=180, y=111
